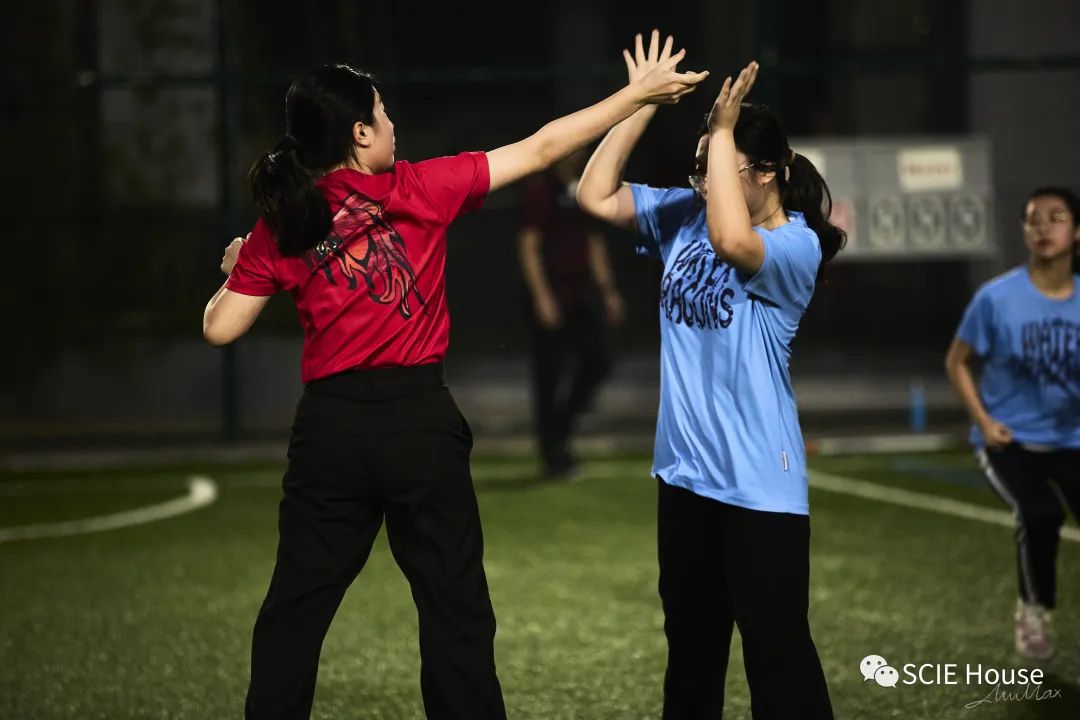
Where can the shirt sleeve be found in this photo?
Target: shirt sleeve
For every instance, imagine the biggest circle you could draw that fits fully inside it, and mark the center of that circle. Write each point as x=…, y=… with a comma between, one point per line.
x=660, y=212
x=789, y=269
x=977, y=325
x=456, y=184
x=253, y=273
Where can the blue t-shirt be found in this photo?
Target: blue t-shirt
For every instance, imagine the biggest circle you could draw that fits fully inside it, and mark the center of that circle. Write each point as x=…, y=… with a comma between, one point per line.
x=727, y=427
x=1030, y=346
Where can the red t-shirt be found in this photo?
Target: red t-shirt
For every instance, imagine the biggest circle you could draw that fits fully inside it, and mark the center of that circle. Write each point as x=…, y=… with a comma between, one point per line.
x=373, y=293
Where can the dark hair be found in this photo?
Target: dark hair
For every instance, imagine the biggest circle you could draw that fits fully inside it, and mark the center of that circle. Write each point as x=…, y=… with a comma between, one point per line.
x=1071, y=201
x=320, y=111
x=760, y=136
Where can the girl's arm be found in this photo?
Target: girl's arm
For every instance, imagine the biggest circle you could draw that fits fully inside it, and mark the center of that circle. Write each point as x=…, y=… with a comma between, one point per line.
x=229, y=314
x=561, y=137
x=601, y=191
x=731, y=233
x=958, y=368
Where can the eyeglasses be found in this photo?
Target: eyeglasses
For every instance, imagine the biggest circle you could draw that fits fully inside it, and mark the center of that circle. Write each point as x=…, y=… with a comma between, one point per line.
x=697, y=181
x=1056, y=218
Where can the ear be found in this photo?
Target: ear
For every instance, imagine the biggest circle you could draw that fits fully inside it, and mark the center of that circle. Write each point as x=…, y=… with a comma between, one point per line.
x=361, y=134
x=764, y=178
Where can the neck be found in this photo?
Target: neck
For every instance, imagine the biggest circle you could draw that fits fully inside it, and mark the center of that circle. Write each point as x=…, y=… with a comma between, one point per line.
x=1053, y=277
x=771, y=215
x=352, y=163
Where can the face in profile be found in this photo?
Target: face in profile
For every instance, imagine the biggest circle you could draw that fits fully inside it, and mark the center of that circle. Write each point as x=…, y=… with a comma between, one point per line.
x=379, y=153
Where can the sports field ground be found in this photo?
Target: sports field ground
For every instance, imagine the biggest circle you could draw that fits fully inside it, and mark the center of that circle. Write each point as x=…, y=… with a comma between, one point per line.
x=912, y=560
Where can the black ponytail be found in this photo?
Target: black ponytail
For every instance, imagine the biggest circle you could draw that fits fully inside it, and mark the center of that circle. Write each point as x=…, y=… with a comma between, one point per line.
x=1067, y=196
x=288, y=201
x=804, y=190
x=320, y=111
x=761, y=137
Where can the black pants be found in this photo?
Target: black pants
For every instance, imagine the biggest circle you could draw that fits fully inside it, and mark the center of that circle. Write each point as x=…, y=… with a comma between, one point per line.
x=1036, y=485
x=557, y=403
x=722, y=565
x=367, y=445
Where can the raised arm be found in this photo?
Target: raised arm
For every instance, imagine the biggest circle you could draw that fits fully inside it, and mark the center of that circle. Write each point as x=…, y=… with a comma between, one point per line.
x=561, y=137
x=731, y=233
x=601, y=191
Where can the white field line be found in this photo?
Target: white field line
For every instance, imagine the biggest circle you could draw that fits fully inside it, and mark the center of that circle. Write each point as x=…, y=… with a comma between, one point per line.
x=605, y=470
x=921, y=501
x=202, y=491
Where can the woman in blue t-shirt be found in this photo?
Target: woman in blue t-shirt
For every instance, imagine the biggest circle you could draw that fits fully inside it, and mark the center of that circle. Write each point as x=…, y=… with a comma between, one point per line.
x=742, y=252
x=1024, y=327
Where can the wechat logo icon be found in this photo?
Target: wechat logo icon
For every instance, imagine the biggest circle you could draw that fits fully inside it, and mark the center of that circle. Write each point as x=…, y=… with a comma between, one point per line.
x=877, y=668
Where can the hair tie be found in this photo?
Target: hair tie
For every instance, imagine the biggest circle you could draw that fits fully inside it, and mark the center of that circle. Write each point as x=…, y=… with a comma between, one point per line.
x=287, y=143
x=791, y=157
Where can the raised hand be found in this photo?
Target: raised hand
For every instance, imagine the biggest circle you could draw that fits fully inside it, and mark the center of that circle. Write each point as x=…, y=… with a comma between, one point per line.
x=653, y=74
x=642, y=62
x=725, y=111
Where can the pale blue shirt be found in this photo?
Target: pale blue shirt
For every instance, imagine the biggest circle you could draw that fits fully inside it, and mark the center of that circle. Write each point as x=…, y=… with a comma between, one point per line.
x=1030, y=346
x=727, y=426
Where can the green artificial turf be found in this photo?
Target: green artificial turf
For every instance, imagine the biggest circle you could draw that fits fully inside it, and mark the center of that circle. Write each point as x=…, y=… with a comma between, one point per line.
x=154, y=621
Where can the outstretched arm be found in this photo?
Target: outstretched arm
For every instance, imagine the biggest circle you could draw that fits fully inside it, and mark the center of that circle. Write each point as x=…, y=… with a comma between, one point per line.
x=563, y=136
x=601, y=192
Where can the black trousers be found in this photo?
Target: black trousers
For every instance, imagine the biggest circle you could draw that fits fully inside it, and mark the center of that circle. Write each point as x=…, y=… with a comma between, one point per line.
x=559, y=398
x=1036, y=485
x=722, y=565
x=366, y=446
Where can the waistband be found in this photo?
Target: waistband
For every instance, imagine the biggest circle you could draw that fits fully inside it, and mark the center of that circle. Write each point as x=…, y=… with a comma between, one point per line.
x=375, y=383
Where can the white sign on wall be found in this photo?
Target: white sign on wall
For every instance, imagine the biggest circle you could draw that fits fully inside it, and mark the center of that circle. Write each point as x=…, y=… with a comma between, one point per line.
x=930, y=168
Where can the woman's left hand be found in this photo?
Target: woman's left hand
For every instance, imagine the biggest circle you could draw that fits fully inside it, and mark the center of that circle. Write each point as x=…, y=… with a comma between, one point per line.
x=725, y=111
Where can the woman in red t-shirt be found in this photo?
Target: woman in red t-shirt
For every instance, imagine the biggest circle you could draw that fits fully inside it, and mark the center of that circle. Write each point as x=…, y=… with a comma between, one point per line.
x=359, y=240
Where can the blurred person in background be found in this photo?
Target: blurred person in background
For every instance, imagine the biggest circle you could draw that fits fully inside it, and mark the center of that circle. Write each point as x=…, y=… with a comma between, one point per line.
x=571, y=298
x=742, y=252
x=359, y=240
x=1023, y=329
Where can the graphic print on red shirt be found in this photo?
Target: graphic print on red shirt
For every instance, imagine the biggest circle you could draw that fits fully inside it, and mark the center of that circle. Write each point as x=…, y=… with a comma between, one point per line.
x=363, y=243
x=373, y=293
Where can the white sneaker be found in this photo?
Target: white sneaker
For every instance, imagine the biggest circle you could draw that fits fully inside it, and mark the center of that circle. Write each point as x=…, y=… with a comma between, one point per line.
x=1034, y=631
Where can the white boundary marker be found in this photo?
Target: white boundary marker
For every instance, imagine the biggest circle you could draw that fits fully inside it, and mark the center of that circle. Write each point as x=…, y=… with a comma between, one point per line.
x=202, y=491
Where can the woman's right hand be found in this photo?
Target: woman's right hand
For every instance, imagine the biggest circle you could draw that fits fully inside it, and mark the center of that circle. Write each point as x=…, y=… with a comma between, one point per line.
x=996, y=434
x=653, y=74
x=232, y=252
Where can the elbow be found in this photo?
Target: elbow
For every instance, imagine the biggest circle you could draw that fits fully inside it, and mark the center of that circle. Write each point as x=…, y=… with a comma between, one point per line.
x=722, y=243
x=546, y=151
x=217, y=336
x=952, y=365
x=585, y=199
